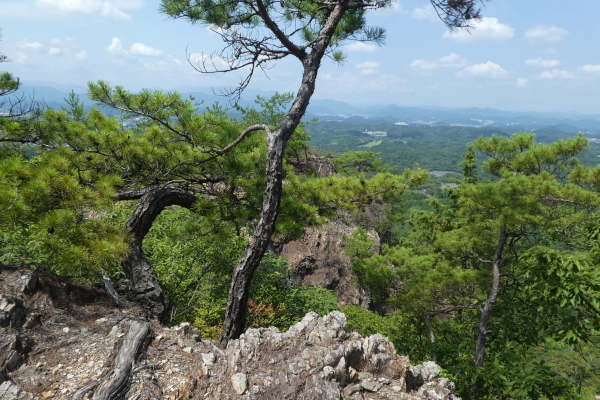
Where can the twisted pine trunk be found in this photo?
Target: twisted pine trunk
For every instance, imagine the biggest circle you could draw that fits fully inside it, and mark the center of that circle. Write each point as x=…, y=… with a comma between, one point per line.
x=239, y=291
x=146, y=288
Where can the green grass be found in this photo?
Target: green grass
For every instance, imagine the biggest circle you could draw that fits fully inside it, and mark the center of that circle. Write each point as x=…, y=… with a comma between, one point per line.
x=372, y=144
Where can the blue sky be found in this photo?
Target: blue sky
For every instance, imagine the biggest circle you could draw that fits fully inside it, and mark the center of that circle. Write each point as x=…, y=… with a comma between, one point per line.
x=525, y=55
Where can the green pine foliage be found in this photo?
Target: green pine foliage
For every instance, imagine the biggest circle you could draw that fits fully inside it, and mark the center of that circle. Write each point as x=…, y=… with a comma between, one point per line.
x=49, y=218
x=357, y=162
x=404, y=331
x=440, y=272
x=276, y=301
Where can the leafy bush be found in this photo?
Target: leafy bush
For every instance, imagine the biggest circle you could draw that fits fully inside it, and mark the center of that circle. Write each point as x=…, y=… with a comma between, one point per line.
x=194, y=258
x=403, y=331
x=276, y=301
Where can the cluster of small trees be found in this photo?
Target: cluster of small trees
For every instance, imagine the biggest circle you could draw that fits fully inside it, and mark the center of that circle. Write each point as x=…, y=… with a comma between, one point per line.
x=505, y=264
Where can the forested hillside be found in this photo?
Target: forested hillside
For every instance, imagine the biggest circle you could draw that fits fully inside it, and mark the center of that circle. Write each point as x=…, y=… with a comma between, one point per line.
x=432, y=147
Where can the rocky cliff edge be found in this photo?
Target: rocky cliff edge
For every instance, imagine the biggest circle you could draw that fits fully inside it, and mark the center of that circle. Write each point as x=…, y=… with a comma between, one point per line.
x=61, y=340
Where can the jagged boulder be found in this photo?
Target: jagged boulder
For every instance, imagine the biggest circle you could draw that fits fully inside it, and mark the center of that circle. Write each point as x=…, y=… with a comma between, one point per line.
x=317, y=359
x=321, y=167
x=12, y=313
x=318, y=259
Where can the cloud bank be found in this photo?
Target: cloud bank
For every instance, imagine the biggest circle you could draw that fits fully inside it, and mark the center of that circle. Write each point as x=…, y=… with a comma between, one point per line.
x=487, y=29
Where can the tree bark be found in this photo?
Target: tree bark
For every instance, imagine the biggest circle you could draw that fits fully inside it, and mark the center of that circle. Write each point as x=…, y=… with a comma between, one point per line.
x=431, y=334
x=146, y=288
x=114, y=384
x=235, y=313
x=486, y=311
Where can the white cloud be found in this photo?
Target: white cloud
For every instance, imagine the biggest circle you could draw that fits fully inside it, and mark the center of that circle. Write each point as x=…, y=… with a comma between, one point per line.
x=33, y=52
x=144, y=50
x=368, y=67
x=105, y=8
x=426, y=13
x=20, y=58
x=546, y=33
x=423, y=65
x=540, y=62
x=361, y=47
x=522, y=82
x=116, y=46
x=81, y=55
x=484, y=70
x=15, y=9
x=556, y=74
x=484, y=30
x=136, y=49
x=451, y=60
x=197, y=58
x=25, y=45
x=200, y=61
x=591, y=69
x=395, y=8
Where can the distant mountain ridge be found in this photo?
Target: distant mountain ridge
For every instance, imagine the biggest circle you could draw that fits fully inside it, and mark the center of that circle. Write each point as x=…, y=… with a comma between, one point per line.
x=331, y=110
x=335, y=110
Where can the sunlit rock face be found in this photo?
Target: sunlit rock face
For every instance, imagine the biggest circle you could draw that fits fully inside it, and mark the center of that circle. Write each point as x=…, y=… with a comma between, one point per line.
x=318, y=359
x=318, y=259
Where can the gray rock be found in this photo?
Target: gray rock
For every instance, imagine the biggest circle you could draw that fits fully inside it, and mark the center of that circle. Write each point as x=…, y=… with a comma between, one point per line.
x=114, y=332
x=328, y=373
x=351, y=389
x=12, y=312
x=239, y=383
x=318, y=259
x=383, y=381
x=429, y=370
x=371, y=386
x=9, y=391
x=12, y=352
x=28, y=282
x=316, y=359
x=208, y=358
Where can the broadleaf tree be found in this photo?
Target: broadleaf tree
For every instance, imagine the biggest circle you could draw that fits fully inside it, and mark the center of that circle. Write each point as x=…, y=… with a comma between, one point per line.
x=256, y=33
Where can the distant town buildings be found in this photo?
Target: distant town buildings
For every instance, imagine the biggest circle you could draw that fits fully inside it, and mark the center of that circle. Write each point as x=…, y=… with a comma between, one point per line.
x=375, y=133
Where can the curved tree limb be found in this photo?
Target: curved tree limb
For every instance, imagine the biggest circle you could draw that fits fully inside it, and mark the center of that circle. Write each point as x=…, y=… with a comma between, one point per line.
x=281, y=36
x=146, y=288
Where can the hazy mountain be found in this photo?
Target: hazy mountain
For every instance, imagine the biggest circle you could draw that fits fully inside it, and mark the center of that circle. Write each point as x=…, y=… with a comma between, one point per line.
x=334, y=110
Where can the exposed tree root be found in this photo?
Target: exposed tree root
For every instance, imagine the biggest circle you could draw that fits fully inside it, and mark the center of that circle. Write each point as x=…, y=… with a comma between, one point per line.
x=114, y=383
